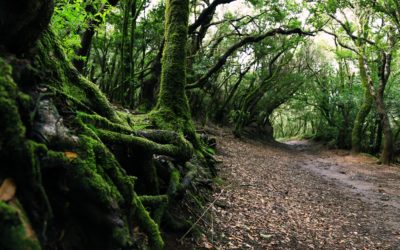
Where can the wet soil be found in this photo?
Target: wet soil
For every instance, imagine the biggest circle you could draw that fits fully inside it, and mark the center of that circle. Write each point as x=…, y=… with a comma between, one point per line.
x=299, y=195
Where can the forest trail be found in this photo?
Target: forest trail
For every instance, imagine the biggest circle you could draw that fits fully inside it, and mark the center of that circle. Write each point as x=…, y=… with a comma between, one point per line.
x=299, y=195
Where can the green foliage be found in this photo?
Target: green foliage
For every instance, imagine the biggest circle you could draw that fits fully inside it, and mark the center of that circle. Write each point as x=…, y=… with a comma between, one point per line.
x=268, y=84
x=123, y=65
x=324, y=106
x=68, y=19
x=71, y=18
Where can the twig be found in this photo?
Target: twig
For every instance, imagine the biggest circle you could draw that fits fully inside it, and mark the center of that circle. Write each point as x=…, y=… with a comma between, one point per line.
x=212, y=229
x=201, y=216
x=195, y=215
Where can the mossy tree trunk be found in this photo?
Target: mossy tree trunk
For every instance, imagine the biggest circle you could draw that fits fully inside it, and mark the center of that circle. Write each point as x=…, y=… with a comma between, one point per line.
x=72, y=156
x=385, y=72
x=356, y=135
x=71, y=186
x=378, y=97
x=172, y=101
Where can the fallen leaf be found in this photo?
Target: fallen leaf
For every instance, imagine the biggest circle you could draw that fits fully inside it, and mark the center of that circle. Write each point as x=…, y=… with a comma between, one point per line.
x=207, y=245
x=71, y=155
x=7, y=190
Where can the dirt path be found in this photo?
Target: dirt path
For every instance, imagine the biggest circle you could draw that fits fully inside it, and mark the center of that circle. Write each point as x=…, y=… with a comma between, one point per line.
x=299, y=196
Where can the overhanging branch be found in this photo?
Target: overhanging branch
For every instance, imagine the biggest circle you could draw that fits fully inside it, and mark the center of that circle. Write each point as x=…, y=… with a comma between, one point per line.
x=247, y=40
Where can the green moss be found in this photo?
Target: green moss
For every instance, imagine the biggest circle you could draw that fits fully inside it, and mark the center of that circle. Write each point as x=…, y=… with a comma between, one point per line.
x=153, y=200
x=148, y=225
x=74, y=92
x=63, y=77
x=157, y=203
x=137, y=122
x=174, y=183
x=98, y=101
x=99, y=179
x=89, y=176
x=101, y=122
x=13, y=235
x=12, y=130
x=32, y=179
x=98, y=188
x=219, y=181
x=172, y=97
x=356, y=135
x=172, y=111
x=119, y=178
x=20, y=156
x=192, y=171
x=180, y=151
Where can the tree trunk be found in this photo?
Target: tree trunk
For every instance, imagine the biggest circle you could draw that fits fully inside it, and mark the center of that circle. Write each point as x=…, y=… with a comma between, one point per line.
x=149, y=87
x=219, y=116
x=387, y=153
x=172, y=102
x=87, y=36
x=22, y=21
x=379, y=136
x=356, y=135
x=70, y=154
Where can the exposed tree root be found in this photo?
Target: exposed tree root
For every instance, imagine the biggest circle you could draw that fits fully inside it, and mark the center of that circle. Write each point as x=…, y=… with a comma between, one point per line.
x=76, y=161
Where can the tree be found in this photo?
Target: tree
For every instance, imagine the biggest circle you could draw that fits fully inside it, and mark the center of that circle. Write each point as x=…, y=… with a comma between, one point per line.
x=369, y=43
x=85, y=173
x=172, y=103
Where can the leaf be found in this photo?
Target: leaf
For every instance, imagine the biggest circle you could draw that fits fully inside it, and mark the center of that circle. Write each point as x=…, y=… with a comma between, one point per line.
x=71, y=155
x=207, y=245
x=7, y=190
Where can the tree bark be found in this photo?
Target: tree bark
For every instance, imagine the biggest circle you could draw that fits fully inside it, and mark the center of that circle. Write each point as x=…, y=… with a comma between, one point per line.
x=363, y=112
x=387, y=153
x=69, y=151
x=22, y=21
x=172, y=101
x=87, y=36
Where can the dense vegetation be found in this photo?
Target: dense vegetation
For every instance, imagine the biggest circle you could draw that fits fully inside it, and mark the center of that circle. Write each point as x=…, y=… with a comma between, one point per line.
x=98, y=98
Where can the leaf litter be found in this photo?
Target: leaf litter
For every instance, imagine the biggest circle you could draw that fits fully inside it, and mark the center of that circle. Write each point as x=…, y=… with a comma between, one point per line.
x=301, y=196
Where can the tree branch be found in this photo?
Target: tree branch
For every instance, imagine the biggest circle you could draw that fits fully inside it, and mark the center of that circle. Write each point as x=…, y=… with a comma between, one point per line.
x=349, y=33
x=206, y=13
x=247, y=40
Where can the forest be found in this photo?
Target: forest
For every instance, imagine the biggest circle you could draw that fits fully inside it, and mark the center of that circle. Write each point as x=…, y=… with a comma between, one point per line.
x=201, y=124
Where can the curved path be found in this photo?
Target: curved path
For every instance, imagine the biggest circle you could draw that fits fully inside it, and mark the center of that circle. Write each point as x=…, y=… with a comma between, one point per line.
x=301, y=196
